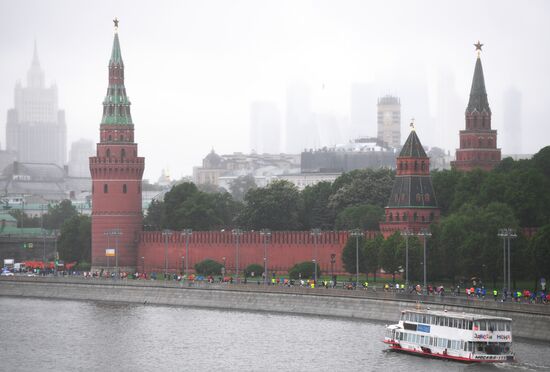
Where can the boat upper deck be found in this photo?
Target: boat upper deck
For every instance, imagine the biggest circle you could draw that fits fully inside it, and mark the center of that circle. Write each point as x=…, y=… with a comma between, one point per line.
x=456, y=315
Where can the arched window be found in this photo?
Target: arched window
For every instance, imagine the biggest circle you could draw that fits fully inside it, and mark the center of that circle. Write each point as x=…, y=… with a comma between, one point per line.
x=480, y=142
x=426, y=197
x=423, y=218
x=415, y=165
x=105, y=188
x=122, y=154
x=405, y=216
x=423, y=165
x=415, y=216
x=124, y=189
x=108, y=153
x=391, y=217
x=418, y=198
x=397, y=216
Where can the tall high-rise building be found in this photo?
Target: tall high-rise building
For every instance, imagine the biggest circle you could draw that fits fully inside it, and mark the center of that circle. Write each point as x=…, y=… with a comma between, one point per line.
x=116, y=172
x=301, y=132
x=265, y=128
x=478, y=142
x=389, y=120
x=511, y=120
x=79, y=158
x=35, y=129
x=362, y=110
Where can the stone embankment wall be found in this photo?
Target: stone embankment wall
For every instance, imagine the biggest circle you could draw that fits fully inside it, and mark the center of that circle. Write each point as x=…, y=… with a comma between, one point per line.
x=529, y=321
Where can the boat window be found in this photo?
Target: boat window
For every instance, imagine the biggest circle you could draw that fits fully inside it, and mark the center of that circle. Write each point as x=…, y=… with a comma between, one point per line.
x=483, y=325
x=500, y=326
x=508, y=326
x=424, y=318
x=459, y=323
x=448, y=344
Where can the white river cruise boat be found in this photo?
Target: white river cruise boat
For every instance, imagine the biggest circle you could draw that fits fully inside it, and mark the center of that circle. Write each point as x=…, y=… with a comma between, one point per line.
x=463, y=337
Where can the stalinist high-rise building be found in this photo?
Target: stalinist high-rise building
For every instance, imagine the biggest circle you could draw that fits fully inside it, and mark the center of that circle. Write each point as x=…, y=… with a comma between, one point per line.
x=35, y=129
x=389, y=120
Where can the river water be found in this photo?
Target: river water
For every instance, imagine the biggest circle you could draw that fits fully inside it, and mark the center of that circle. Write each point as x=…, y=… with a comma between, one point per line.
x=39, y=335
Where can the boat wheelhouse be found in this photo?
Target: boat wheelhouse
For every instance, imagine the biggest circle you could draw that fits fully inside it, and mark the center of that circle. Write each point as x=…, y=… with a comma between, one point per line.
x=451, y=335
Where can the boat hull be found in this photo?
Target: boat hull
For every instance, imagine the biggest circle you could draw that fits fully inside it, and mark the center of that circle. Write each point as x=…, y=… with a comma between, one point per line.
x=426, y=352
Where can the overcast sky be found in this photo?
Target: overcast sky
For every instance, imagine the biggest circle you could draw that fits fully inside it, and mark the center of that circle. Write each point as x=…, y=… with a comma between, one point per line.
x=194, y=67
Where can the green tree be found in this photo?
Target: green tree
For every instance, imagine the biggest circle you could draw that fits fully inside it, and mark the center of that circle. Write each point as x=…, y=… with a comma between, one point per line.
x=362, y=186
x=23, y=219
x=304, y=270
x=444, y=183
x=185, y=206
x=59, y=213
x=208, y=267
x=255, y=269
x=539, y=247
x=75, y=240
x=372, y=255
x=349, y=256
x=468, y=188
x=391, y=255
x=314, y=209
x=240, y=186
x=363, y=216
x=275, y=207
x=470, y=243
x=153, y=221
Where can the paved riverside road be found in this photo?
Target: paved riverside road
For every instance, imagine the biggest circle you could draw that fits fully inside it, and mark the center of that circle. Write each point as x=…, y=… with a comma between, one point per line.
x=462, y=301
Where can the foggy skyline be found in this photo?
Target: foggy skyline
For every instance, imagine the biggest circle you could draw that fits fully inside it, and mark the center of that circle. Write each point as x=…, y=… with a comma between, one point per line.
x=193, y=69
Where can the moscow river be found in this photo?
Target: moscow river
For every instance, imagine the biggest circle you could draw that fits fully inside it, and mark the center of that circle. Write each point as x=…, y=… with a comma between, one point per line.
x=76, y=336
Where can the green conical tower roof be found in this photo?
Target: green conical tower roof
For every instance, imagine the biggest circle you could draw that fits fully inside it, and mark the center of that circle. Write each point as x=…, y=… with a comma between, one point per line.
x=478, y=94
x=116, y=55
x=412, y=147
x=116, y=105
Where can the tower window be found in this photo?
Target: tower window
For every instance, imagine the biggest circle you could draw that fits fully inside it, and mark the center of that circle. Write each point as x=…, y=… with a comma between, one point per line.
x=427, y=197
x=415, y=165
x=110, y=137
x=108, y=153
x=105, y=188
x=122, y=153
x=415, y=216
x=124, y=189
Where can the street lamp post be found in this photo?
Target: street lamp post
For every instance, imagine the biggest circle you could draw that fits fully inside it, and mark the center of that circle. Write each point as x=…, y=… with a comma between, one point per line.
x=187, y=233
x=237, y=233
x=223, y=268
x=332, y=262
x=406, y=233
x=316, y=232
x=166, y=233
x=507, y=234
x=143, y=265
x=106, y=233
x=356, y=233
x=425, y=233
x=183, y=264
x=116, y=233
x=266, y=233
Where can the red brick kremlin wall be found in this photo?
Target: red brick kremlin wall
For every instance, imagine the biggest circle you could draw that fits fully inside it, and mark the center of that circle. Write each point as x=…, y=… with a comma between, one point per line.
x=284, y=248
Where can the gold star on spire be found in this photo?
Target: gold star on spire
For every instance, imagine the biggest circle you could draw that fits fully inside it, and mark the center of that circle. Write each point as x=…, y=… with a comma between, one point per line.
x=478, y=46
x=115, y=21
x=412, y=124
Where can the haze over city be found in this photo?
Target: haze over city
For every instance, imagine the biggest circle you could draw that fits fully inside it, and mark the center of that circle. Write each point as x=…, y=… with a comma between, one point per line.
x=193, y=69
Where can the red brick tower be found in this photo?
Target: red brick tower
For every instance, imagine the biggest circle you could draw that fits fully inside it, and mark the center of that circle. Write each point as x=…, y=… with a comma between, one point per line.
x=412, y=205
x=478, y=142
x=116, y=175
